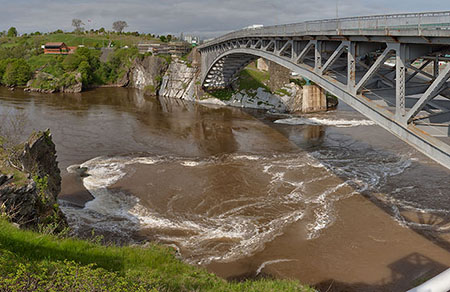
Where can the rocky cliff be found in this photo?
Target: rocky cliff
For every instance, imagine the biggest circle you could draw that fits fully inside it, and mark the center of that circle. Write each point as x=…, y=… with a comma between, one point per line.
x=29, y=189
x=179, y=81
x=146, y=73
x=277, y=93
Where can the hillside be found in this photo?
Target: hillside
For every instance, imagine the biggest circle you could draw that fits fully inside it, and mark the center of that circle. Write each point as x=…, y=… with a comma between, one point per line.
x=23, y=62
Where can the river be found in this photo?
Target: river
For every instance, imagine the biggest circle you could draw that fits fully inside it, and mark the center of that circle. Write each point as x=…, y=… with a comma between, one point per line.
x=329, y=199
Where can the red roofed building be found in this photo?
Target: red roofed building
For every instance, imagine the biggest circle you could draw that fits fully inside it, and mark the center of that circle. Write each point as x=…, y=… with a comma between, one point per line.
x=59, y=48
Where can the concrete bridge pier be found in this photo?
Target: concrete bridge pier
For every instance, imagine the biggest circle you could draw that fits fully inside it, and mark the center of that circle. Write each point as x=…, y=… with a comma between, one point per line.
x=314, y=99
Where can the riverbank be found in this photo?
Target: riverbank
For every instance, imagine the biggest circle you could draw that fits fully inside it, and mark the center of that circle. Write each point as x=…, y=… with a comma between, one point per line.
x=30, y=261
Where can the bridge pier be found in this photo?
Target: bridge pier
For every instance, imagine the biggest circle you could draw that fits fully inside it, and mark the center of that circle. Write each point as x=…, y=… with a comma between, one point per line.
x=314, y=99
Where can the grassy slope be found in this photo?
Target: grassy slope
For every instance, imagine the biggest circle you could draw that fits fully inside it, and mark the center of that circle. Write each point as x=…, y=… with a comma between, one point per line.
x=72, y=39
x=250, y=79
x=36, y=262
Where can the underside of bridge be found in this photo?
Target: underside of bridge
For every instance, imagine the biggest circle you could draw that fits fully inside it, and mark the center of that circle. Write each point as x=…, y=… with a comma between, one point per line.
x=396, y=77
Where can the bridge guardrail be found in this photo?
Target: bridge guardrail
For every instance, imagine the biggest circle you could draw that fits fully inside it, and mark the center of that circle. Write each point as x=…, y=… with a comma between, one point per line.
x=386, y=24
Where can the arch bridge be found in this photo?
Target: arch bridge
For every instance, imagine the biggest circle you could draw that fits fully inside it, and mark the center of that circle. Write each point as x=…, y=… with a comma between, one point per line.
x=394, y=69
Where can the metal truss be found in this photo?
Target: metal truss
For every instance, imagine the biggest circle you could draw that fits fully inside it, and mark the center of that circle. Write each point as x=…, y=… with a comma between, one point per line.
x=402, y=85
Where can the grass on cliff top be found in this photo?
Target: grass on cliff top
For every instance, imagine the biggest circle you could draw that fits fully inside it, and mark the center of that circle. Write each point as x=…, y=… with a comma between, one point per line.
x=35, y=262
x=74, y=39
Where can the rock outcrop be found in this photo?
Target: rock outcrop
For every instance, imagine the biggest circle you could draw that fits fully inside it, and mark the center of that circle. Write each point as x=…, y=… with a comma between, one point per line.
x=179, y=81
x=28, y=196
x=47, y=83
x=146, y=73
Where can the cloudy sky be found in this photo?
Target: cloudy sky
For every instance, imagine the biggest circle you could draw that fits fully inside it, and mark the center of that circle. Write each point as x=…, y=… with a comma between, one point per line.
x=206, y=18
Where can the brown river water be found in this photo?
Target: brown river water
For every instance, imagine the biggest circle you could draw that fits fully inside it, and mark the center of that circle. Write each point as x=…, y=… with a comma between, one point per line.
x=329, y=199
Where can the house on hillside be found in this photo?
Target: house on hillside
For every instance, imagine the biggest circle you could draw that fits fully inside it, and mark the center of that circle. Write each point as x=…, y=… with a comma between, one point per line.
x=59, y=48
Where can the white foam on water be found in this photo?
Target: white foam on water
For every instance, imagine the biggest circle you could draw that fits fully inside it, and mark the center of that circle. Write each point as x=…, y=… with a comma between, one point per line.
x=225, y=232
x=248, y=157
x=397, y=206
x=266, y=263
x=73, y=168
x=190, y=163
x=325, y=122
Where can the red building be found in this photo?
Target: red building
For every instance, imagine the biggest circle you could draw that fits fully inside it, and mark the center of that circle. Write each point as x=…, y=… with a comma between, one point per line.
x=58, y=49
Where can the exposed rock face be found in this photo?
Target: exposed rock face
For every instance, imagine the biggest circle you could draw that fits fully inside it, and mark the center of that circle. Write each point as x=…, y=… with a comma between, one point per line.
x=39, y=158
x=279, y=76
x=147, y=73
x=33, y=201
x=289, y=101
x=179, y=81
x=75, y=87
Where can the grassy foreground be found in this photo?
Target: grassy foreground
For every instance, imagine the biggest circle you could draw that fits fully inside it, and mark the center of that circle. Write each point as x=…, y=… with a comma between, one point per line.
x=36, y=262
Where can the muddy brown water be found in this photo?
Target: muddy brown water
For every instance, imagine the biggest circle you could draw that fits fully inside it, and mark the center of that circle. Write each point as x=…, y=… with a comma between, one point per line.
x=331, y=201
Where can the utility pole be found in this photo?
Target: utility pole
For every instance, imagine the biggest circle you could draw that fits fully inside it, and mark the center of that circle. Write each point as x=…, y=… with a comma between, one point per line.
x=337, y=9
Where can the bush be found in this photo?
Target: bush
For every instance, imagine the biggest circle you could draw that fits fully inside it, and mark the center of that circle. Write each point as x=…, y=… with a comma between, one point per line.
x=17, y=72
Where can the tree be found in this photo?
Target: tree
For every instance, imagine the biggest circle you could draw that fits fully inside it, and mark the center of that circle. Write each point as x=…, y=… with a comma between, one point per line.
x=17, y=72
x=102, y=30
x=163, y=38
x=12, y=32
x=86, y=73
x=119, y=25
x=77, y=23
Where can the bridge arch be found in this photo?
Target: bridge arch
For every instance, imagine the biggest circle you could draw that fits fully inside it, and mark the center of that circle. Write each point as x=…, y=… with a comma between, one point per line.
x=252, y=54
x=241, y=56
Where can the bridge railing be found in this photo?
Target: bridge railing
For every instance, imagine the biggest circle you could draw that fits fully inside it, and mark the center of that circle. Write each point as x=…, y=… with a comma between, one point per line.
x=417, y=23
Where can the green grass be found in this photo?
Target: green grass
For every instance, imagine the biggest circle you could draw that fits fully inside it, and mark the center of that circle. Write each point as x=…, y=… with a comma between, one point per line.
x=251, y=79
x=282, y=92
x=222, y=94
x=35, y=262
x=38, y=61
x=73, y=39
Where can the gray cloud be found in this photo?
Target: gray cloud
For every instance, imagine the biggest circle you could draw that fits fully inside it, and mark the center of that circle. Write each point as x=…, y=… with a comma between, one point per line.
x=203, y=17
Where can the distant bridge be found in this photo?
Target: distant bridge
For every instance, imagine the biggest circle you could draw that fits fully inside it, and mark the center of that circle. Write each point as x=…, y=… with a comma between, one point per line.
x=394, y=69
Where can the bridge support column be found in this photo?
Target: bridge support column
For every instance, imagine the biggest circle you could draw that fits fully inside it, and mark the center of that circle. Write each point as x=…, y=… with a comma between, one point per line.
x=314, y=99
x=400, y=80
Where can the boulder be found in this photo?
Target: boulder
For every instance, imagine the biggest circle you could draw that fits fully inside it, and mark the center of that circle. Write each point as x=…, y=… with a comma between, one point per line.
x=29, y=197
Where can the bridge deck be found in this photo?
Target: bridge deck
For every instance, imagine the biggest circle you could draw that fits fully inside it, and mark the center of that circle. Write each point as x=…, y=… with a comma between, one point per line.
x=427, y=24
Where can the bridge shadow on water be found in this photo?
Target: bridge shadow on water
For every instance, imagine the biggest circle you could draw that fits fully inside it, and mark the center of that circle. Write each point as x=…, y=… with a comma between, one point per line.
x=401, y=270
x=415, y=268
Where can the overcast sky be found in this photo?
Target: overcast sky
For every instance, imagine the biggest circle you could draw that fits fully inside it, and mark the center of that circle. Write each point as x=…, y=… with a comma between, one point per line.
x=206, y=18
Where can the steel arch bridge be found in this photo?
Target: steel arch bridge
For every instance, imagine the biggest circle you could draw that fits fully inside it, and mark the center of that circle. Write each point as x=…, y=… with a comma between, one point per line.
x=394, y=69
